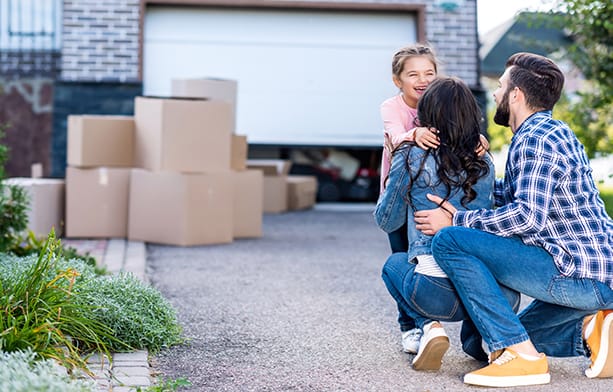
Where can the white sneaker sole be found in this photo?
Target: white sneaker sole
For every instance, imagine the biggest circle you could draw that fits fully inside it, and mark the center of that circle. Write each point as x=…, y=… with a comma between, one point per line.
x=431, y=357
x=507, y=381
x=603, y=366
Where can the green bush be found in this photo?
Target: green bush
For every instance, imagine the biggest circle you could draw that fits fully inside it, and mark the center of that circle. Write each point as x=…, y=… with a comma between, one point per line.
x=22, y=371
x=39, y=311
x=138, y=314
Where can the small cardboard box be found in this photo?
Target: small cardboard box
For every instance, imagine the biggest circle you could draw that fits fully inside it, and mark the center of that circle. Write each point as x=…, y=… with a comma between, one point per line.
x=184, y=135
x=239, y=152
x=301, y=192
x=46, y=203
x=248, y=203
x=210, y=88
x=182, y=209
x=97, y=202
x=275, y=182
x=100, y=141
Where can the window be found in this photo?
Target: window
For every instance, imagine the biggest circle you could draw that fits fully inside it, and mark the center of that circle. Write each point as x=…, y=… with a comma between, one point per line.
x=30, y=25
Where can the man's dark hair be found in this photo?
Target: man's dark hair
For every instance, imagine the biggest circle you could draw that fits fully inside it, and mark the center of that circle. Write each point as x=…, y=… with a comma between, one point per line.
x=537, y=77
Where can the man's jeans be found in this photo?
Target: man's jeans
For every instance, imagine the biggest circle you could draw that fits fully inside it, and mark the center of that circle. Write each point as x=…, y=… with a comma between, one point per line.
x=479, y=263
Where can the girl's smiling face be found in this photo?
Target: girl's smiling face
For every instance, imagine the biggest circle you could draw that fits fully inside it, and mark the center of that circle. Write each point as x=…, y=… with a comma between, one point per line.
x=416, y=75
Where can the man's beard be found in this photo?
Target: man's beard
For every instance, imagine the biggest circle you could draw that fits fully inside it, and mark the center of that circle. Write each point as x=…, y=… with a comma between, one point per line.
x=501, y=117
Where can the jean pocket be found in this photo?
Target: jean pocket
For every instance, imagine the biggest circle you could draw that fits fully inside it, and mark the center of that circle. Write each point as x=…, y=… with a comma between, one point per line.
x=436, y=298
x=581, y=294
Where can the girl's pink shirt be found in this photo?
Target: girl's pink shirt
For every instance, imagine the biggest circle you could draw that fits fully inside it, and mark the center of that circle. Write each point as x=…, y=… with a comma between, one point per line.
x=399, y=125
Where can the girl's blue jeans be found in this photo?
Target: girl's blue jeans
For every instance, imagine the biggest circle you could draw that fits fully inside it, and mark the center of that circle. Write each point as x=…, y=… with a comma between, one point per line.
x=479, y=264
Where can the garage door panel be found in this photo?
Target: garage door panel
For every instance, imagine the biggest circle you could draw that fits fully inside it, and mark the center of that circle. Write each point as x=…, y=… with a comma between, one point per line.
x=303, y=77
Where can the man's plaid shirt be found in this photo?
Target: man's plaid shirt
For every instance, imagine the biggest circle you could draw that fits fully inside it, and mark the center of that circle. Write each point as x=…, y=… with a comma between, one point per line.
x=548, y=198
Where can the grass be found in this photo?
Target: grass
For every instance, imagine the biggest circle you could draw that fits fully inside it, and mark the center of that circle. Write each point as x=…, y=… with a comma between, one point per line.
x=606, y=193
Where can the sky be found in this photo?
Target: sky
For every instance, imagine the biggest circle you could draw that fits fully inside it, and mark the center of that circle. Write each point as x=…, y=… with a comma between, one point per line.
x=491, y=13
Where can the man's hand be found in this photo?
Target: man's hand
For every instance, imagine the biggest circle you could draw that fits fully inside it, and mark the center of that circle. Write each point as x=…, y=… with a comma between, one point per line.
x=430, y=222
x=426, y=137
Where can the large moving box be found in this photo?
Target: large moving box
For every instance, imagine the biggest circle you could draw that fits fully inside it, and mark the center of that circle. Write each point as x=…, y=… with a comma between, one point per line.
x=301, y=192
x=97, y=202
x=46, y=202
x=275, y=182
x=209, y=88
x=248, y=203
x=239, y=152
x=100, y=141
x=181, y=208
x=184, y=135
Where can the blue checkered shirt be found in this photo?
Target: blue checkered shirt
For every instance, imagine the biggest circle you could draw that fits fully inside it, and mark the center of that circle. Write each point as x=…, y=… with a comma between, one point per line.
x=548, y=198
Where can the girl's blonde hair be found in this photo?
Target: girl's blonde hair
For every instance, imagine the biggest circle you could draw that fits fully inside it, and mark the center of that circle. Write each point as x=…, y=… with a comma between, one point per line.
x=403, y=54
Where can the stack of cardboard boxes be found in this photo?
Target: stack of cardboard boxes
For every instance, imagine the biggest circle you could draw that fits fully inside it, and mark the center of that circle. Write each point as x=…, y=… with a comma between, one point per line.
x=175, y=173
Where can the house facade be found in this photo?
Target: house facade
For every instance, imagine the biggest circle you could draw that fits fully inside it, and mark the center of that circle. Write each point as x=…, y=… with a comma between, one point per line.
x=310, y=73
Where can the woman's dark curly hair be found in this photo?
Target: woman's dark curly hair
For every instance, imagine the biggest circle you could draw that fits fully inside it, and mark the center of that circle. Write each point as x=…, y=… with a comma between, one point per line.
x=449, y=106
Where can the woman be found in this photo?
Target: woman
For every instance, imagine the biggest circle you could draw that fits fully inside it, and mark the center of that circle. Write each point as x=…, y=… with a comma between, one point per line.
x=455, y=171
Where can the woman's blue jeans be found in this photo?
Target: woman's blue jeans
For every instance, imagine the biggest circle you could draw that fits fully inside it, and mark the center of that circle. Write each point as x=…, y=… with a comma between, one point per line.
x=480, y=263
x=427, y=298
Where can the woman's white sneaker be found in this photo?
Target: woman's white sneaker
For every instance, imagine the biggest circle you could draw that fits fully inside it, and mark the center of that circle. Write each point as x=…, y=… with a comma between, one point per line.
x=432, y=347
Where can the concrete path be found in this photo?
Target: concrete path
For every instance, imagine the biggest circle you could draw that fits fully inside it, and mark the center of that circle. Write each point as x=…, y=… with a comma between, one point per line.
x=304, y=309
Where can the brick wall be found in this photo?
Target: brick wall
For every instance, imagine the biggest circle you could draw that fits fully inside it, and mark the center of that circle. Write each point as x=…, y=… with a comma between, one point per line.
x=100, y=39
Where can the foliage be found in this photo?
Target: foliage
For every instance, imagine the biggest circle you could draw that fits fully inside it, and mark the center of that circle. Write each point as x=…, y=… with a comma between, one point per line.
x=39, y=310
x=33, y=245
x=13, y=206
x=166, y=385
x=590, y=23
x=23, y=371
x=606, y=193
x=138, y=314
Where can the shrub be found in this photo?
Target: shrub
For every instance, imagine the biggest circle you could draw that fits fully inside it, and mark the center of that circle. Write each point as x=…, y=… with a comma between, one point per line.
x=21, y=371
x=136, y=312
x=39, y=311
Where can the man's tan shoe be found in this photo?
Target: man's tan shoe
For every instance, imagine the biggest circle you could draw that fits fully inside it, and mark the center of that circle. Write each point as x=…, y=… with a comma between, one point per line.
x=511, y=370
x=598, y=337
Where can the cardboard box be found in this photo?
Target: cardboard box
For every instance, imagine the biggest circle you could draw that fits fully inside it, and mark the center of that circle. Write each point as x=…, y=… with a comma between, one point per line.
x=46, y=204
x=275, y=182
x=248, y=203
x=97, y=202
x=209, y=88
x=301, y=192
x=239, y=152
x=100, y=141
x=181, y=209
x=184, y=135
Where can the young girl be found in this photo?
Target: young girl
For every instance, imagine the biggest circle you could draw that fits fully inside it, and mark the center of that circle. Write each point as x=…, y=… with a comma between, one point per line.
x=456, y=172
x=413, y=68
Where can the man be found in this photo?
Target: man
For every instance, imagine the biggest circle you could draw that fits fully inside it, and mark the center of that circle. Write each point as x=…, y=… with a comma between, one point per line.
x=550, y=238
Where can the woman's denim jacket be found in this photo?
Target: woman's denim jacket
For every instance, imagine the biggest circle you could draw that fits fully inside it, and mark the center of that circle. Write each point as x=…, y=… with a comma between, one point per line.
x=393, y=209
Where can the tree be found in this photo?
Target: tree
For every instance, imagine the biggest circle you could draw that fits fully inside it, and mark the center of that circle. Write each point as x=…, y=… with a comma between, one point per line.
x=590, y=24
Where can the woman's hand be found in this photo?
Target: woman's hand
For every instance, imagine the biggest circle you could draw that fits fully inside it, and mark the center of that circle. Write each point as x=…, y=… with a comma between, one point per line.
x=426, y=137
x=483, y=146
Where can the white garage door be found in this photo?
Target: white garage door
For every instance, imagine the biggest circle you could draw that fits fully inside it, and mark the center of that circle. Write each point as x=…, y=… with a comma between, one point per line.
x=304, y=77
